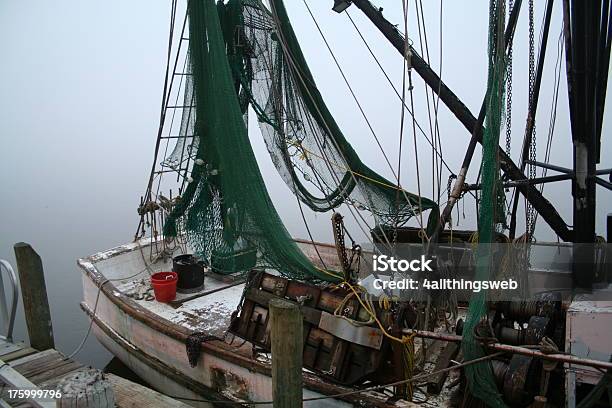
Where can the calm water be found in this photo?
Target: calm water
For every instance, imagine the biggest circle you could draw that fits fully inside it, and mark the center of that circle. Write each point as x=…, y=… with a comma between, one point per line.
x=69, y=322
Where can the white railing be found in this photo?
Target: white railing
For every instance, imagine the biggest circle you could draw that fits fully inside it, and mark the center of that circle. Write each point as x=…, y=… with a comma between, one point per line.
x=8, y=319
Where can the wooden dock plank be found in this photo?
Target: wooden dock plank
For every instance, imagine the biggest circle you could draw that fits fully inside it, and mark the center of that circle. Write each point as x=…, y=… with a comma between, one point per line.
x=47, y=368
x=31, y=357
x=59, y=371
x=26, y=351
x=132, y=395
x=8, y=347
x=38, y=365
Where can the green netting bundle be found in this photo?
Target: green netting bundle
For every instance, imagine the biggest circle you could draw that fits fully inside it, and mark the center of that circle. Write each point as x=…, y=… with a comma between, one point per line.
x=306, y=144
x=226, y=211
x=240, y=55
x=480, y=376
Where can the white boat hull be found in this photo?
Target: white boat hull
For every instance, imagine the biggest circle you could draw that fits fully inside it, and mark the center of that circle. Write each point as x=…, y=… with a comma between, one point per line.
x=151, y=349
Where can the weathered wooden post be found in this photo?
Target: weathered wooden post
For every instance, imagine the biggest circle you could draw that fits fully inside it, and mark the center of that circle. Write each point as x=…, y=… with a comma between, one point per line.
x=86, y=389
x=34, y=293
x=287, y=347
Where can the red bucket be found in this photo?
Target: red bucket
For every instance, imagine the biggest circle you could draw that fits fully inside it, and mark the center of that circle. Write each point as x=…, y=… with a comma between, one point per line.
x=164, y=285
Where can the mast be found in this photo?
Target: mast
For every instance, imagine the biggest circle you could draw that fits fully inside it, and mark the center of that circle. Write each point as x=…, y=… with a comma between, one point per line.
x=458, y=108
x=587, y=28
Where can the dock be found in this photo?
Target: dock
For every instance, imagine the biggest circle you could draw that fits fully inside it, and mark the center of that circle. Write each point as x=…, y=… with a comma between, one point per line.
x=45, y=369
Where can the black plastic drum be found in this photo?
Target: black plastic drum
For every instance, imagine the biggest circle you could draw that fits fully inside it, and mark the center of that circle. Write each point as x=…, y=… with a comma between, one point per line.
x=190, y=273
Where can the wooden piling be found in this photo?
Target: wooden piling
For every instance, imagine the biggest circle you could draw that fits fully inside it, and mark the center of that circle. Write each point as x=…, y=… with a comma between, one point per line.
x=34, y=295
x=287, y=347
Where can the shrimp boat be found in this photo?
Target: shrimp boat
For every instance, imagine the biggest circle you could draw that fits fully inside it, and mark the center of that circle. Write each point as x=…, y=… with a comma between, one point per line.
x=206, y=213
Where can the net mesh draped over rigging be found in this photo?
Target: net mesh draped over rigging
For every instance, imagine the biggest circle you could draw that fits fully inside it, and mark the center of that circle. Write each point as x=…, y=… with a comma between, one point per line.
x=239, y=54
x=306, y=144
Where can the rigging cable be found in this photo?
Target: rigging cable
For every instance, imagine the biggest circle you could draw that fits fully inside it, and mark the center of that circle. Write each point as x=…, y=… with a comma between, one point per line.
x=425, y=52
x=300, y=77
x=435, y=97
x=363, y=113
x=439, y=154
x=437, y=104
x=553, y=111
x=350, y=88
x=407, y=68
x=405, y=63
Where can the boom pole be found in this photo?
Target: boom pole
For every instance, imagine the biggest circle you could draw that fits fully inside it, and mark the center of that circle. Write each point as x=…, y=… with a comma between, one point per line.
x=461, y=112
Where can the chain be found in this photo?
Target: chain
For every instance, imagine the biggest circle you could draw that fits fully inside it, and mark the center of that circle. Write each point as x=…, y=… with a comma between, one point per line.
x=532, y=147
x=449, y=186
x=509, y=92
x=338, y=230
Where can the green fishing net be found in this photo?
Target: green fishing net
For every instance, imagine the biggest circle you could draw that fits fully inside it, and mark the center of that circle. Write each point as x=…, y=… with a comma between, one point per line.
x=241, y=54
x=480, y=375
x=225, y=210
x=306, y=144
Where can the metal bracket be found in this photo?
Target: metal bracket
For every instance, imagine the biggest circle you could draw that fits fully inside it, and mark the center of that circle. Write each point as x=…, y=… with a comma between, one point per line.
x=342, y=328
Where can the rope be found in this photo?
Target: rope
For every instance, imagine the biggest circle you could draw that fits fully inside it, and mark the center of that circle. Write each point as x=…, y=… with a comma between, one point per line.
x=82, y=343
x=95, y=308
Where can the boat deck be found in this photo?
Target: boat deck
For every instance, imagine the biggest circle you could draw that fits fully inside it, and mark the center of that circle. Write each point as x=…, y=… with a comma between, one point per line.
x=207, y=311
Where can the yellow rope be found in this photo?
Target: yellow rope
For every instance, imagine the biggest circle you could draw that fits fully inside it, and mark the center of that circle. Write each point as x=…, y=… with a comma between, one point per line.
x=407, y=340
x=409, y=363
x=371, y=312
